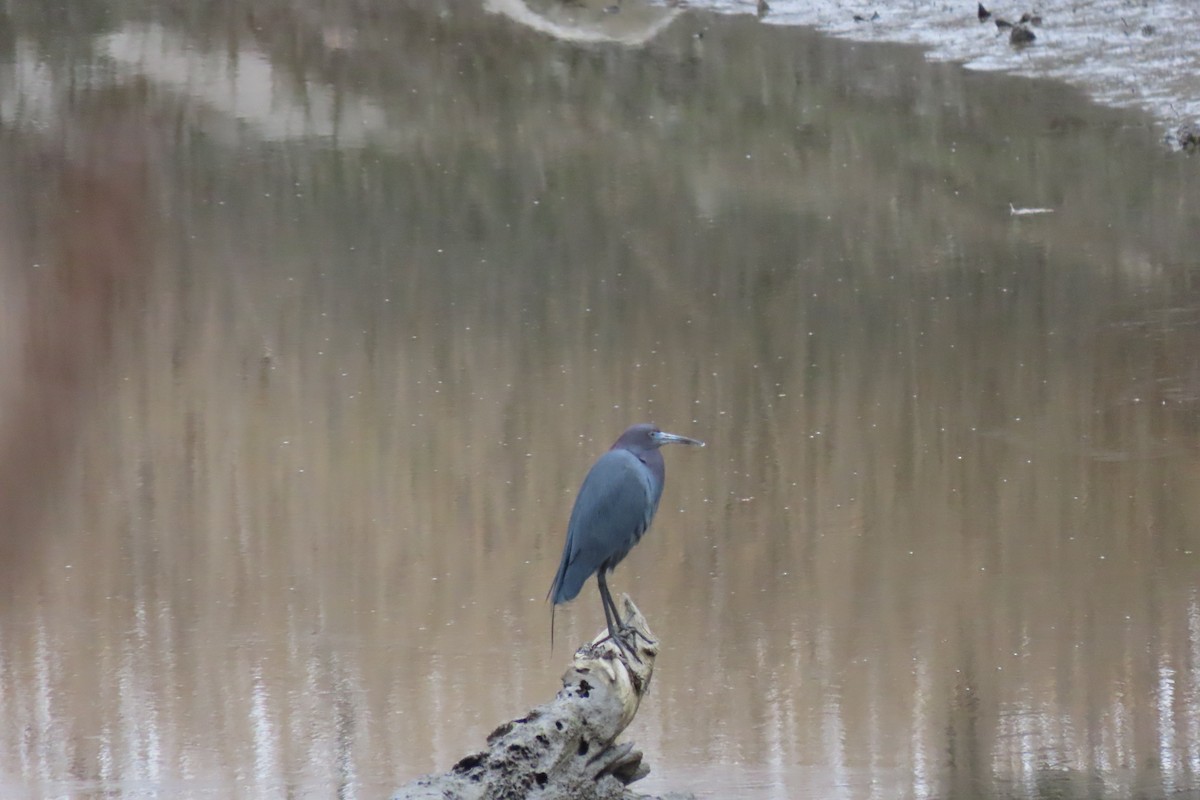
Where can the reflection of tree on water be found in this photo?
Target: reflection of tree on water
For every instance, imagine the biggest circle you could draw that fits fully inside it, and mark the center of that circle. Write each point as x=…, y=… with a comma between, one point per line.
x=92, y=260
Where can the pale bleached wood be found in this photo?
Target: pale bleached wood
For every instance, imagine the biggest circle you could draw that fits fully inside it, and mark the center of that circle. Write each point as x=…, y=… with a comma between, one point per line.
x=566, y=749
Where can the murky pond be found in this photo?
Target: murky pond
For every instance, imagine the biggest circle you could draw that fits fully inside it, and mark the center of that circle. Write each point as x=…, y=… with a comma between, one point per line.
x=314, y=316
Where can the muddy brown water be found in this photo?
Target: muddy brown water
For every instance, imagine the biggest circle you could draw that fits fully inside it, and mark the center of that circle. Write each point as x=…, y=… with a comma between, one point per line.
x=314, y=318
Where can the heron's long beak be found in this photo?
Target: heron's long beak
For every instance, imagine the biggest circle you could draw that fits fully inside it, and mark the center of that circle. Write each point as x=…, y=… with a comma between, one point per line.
x=662, y=437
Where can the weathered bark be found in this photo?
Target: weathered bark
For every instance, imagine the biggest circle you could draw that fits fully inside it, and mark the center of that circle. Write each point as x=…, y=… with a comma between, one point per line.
x=567, y=748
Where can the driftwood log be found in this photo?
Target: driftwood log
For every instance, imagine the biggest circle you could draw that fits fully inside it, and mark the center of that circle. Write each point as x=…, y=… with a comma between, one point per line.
x=566, y=749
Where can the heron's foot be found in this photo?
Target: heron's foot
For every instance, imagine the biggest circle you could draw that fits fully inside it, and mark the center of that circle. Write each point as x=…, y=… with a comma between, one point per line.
x=621, y=638
x=632, y=634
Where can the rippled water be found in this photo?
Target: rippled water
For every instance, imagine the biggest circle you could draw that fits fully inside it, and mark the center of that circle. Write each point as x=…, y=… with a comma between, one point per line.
x=314, y=318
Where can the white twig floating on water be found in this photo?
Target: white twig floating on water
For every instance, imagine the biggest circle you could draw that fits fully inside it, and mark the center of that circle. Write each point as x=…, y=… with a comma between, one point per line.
x=1021, y=212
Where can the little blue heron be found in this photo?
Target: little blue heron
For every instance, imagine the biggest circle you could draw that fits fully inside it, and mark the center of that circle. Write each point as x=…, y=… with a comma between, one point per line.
x=612, y=511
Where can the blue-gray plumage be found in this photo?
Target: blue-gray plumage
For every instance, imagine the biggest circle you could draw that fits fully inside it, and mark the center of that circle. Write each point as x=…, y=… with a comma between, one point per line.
x=612, y=511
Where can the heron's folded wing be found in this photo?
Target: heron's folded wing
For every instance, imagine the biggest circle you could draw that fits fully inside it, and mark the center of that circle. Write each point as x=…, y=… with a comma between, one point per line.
x=612, y=511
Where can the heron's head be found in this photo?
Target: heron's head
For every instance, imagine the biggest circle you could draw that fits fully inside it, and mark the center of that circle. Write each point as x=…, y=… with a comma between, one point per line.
x=648, y=436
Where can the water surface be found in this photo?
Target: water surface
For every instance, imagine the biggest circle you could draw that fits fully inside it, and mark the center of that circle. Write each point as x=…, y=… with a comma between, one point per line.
x=314, y=319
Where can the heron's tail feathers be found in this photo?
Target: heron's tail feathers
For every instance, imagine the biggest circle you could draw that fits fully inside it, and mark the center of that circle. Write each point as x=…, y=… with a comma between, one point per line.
x=567, y=581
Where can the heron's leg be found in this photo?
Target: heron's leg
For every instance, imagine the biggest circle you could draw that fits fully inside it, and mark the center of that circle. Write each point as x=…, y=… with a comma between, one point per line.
x=616, y=630
x=610, y=609
x=616, y=626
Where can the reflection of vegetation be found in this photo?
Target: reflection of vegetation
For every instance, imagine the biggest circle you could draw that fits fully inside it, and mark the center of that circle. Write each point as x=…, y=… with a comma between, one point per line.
x=821, y=128
x=968, y=736
x=1063, y=784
